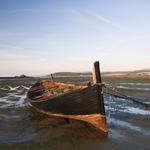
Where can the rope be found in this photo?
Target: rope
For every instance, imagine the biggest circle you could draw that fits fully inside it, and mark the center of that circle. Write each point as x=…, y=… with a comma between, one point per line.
x=109, y=89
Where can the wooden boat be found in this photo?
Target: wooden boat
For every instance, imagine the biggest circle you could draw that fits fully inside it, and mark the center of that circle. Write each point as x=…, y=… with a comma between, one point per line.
x=72, y=101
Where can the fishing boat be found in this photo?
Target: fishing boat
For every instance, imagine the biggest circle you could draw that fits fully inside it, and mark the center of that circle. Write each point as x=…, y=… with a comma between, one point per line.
x=71, y=101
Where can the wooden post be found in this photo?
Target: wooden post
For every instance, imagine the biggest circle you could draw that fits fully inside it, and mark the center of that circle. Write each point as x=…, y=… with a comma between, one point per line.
x=51, y=76
x=96, y=73
x=97, y=79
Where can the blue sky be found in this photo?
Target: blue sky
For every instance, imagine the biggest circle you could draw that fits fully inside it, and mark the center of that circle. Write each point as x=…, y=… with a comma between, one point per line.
x=44, y=36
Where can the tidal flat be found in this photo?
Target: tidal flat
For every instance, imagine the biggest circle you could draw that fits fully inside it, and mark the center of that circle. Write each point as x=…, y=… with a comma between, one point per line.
x=22, y=128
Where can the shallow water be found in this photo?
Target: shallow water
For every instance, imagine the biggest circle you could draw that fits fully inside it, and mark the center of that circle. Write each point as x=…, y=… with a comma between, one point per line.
x=21, y=127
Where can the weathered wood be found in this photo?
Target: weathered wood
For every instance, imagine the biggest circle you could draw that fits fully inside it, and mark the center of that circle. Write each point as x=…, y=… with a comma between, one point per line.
x=96, y=120
x=97, y=79
x=79, y=102
x=96, y=73
x=71, y=101
x=51, y=76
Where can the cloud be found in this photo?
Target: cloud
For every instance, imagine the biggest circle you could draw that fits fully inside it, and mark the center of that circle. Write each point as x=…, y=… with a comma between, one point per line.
x=43, y=59
x=6, y=58
x=90, y=19
x=15, y=63
x=78, y=17
x=83, y=19
x=10, y=53
x=105, y=20
x=11, y=48
x=9, y=34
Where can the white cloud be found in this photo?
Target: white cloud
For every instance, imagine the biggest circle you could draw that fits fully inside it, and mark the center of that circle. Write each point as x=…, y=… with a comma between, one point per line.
x=105, y=20
x=43, y=59
x=12, y=49
x=9, y=58
x=16, y=60
x=9, y=34
x=90, y=19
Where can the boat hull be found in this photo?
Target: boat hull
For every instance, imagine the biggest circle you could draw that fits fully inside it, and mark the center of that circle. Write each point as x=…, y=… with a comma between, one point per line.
x=84, y=104
x=96, y=120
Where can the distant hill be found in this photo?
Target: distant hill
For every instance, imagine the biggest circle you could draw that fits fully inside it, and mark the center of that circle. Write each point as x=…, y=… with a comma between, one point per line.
x=72, y=74
x=127, y=74
x=16, y=77
x=140, y=74
x=143, y=70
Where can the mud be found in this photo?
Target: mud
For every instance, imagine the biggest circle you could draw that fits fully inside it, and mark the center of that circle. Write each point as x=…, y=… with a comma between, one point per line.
x=22, y=128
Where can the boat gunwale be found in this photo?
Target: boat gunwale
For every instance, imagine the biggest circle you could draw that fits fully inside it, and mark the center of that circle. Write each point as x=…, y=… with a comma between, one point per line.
x=58, y=96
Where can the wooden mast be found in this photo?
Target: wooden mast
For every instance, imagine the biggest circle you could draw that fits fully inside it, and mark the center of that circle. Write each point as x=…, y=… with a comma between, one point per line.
x=97, y=80
x=96, y=73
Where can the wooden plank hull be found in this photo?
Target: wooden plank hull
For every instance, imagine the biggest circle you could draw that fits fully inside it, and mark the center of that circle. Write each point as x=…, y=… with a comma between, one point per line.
x=78, y=102
x=81, y=104
x=96, y=120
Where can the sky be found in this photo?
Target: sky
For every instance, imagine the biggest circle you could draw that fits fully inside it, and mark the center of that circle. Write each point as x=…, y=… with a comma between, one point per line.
x=39, y=37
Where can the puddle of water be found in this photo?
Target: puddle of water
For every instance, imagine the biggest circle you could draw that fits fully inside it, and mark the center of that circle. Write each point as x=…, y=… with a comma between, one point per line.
x=117, y=122
x=18, y=101
x=17, y=138
x=133, y=88
x=137, y=111
x=124, y=107
x=143, y=84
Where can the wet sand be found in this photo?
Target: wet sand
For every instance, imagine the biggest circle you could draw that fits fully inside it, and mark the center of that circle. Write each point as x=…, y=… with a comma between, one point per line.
x=22, y=128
